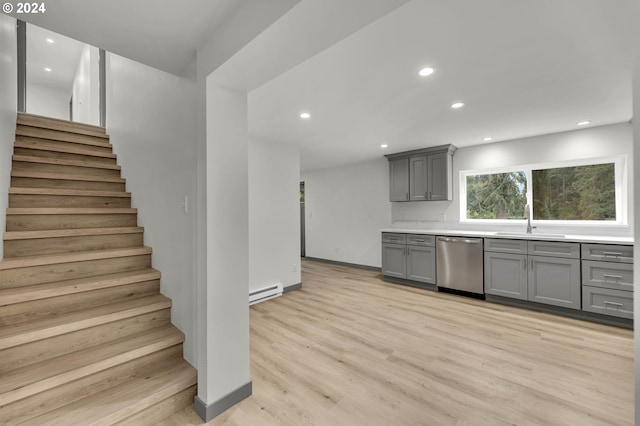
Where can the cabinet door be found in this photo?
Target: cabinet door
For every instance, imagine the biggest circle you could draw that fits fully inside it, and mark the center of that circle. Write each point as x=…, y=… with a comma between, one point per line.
x=394, y=260
x=399, y=179
x=505, y=275
x=554, y=281
x=418, y=167
x=421, y=264
x=438, y=179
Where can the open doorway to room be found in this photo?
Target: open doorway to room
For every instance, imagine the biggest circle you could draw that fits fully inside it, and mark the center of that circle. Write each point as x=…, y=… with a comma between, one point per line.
x=62, y=77
x=302, y=239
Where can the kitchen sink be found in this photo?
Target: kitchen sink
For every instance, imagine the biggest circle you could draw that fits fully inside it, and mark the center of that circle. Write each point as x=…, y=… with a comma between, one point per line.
x=524, y=234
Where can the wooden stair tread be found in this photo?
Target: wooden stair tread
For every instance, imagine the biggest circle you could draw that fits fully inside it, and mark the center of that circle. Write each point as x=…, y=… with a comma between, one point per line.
x=65, y=149
x=34, y=120
x=61, y=162
x=69, y=210
x=120, y=402
x=14, y=335
x=30, y=293
x=64, y=135
x=52, y=259
x=68, y=192
x=61, y=233
x=32, y=379
x=64, y=176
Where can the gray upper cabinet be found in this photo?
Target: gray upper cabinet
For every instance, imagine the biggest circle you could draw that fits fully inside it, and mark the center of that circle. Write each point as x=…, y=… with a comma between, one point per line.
x=418, y=185
x=439, y=181
x=421, y=175
x=399, y=179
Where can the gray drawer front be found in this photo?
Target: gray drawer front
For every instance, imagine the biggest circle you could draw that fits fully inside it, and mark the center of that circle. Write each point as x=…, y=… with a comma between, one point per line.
x=388, y=237
x=500, y=245
x=421, y=240
x=608, y=253
x=607, y=301
x=554, y=249
x=618, y=276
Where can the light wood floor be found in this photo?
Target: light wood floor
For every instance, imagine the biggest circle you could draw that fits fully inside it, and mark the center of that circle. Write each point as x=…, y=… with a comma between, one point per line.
x=350, y=349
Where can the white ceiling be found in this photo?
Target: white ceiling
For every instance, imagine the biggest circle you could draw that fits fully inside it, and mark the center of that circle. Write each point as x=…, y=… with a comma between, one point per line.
x=160, y=33
x=523, y=68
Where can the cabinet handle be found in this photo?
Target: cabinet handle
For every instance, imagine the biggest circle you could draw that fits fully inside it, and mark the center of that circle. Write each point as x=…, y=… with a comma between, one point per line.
x=531, y=264
x=524, y=263
x=615, y=277
x=606, y=302
x=429, y=195
x=419, y=241
x=611, y=253
x=406, y=196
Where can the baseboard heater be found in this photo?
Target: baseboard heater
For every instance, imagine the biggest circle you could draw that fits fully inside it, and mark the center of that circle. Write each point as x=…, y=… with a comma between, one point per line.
x=266, y=293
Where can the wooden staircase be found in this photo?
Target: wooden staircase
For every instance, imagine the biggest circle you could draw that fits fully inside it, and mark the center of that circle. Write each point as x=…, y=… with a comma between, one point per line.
x=85, y=335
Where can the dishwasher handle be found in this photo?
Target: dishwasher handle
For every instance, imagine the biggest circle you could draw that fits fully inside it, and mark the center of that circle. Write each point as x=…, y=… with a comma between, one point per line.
x=459, y=240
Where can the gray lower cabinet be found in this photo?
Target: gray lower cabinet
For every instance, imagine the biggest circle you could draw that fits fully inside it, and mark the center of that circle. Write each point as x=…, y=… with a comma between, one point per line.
x=505, y=275
x=421, y=264
x=512, y=269
x=394, y=260
x=554, y=281
x=409, y=256
x=607, y=279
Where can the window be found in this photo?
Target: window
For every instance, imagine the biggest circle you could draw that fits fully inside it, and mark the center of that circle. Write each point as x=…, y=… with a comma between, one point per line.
x=580, y=191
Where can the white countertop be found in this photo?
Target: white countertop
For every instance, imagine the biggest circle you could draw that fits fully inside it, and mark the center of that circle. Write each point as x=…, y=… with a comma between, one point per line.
x=598, y=239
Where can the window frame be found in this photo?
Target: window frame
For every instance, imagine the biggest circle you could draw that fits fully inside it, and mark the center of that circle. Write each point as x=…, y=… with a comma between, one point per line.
x=620, y=176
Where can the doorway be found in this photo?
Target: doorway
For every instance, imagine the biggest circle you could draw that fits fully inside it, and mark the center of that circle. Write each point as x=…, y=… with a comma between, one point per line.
x=302, y=238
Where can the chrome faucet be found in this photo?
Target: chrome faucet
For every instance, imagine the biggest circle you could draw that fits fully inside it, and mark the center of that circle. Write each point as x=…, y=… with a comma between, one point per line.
x=527, y=214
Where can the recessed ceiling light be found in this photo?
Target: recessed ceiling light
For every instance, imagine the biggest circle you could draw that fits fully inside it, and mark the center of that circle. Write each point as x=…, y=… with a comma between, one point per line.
x=47, y=69
x=584, y=123
x=425, y=71
x=50, y=40
x=384, y=145
x=488, y=138
x=305, y=115
x=457, y=105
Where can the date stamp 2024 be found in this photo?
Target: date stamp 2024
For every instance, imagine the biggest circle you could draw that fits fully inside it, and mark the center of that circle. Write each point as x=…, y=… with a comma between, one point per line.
x=22, y=8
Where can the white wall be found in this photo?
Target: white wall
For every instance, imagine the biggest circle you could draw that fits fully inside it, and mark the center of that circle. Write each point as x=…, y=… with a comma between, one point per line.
x=48, y=101
x=587, y=143
x=86, y=87
x=274, y=214
x=223, y=359
x=151, y=121
x=8, y=102
x=345, y=207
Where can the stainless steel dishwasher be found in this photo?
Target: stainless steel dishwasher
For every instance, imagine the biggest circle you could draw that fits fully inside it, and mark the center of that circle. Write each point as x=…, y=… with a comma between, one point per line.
x=459, y=264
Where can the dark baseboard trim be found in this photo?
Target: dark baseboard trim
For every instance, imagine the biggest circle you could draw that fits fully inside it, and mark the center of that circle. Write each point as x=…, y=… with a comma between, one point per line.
x=293, y=287
x=208, y=412
x=558, y=310
x=416, y=284
x=336, y=262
